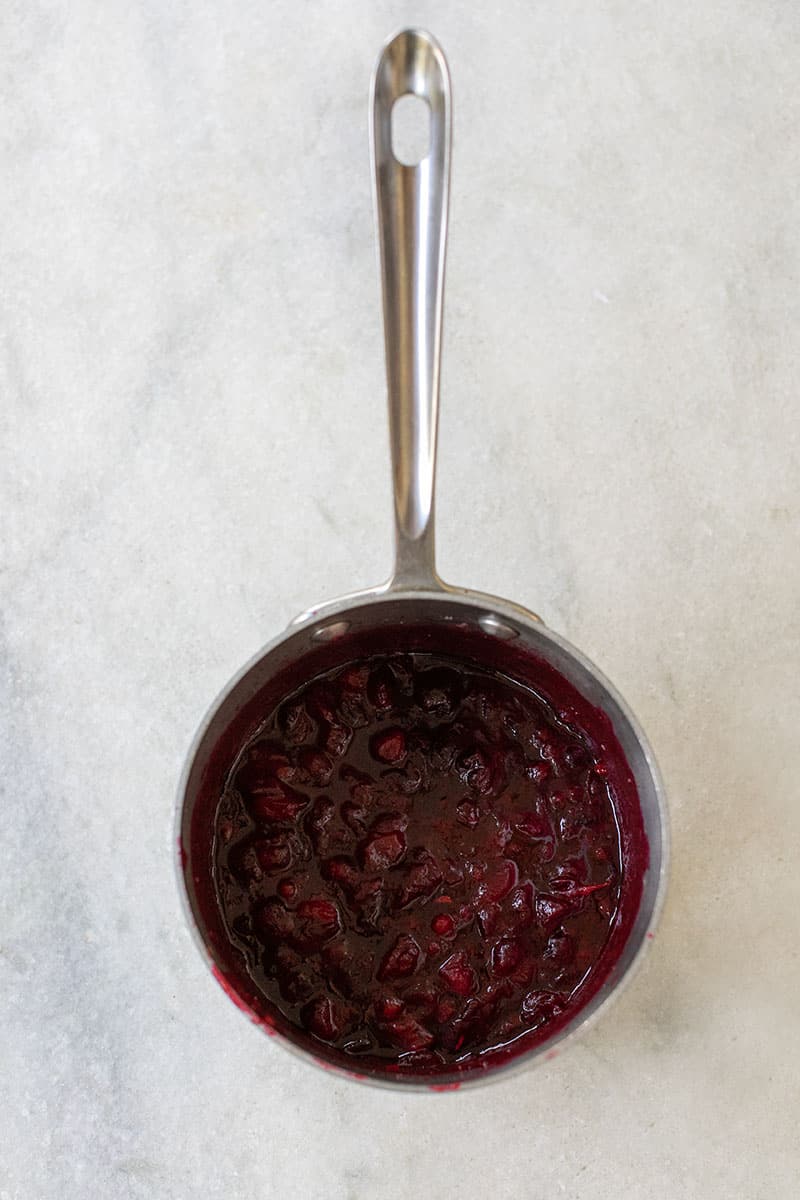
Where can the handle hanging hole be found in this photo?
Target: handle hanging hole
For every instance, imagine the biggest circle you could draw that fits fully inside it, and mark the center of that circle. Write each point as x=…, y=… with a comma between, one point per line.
x=411, y=129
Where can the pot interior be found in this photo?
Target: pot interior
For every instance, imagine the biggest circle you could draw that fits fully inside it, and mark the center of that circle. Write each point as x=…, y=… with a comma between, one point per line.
x=499, y=637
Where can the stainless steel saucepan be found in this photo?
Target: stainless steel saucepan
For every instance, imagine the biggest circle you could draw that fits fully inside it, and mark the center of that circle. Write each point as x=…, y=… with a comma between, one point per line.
x=412, y=204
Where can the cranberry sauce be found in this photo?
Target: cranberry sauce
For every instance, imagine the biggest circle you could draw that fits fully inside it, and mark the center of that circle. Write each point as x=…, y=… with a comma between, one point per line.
x=419, y=863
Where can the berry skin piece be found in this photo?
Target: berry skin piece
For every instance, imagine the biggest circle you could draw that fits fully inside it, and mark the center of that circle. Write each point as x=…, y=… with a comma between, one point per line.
x=458, y=974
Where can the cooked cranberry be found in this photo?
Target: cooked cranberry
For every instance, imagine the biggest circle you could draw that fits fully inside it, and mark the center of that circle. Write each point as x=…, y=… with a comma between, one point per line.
x=388, y=1007
x=251, y=860
x=560, y=948
x=538, y=1007
x=274, y=921
x=297, y=983
x=324, y=1018
x=342, y=871
x=389, y=746
x=337, y=739
x=422, y=999
x=273, y=802
x=468, y=813
x=321, y=825
x=408, y=1034
x=382, y=850
x=355, y=817
x=368, y=903
x=407, y=782
x=532, y=825
x=393, y=822
x=499, y=880
x=296, y=724
x=550, y=911
x=458, y=974
x=422, y=879
x=318, y=766
x=381, y=689
x=453, y=873
x=521, y=903
x=507, y=954
x=353, y=677
x=474, y=1025
x=343, y=968
x=438, y=691
x=489, y=918
x=401, y=960
x=539, y=771
x=317, y=920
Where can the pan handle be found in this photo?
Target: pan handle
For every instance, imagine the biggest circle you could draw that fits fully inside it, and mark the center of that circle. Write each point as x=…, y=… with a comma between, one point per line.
x=411, y=207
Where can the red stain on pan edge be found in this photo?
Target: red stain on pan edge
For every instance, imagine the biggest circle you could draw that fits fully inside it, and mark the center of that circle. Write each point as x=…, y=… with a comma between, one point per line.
x=337, y=1070
x=229, y=988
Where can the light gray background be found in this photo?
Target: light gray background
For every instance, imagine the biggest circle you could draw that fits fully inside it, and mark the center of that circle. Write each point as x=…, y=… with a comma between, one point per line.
x=194, y=449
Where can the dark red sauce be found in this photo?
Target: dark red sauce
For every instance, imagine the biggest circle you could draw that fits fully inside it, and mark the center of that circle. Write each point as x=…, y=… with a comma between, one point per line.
x=419, y=865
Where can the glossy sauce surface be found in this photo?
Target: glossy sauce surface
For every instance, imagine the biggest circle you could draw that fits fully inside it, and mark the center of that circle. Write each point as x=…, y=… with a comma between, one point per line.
x=419, y=861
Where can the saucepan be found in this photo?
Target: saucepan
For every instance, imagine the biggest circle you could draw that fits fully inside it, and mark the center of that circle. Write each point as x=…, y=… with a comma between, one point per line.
x=415, y=605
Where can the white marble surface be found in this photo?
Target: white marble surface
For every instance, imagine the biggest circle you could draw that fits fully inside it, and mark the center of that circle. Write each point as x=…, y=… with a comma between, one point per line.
x=194, y=449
